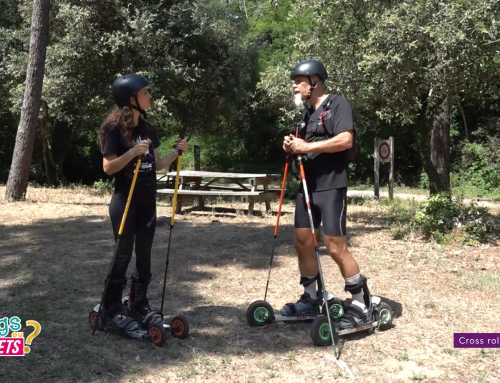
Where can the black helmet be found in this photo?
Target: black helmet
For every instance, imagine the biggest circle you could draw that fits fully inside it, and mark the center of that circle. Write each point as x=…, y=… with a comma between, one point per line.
x=127, y=86
x=308, y=68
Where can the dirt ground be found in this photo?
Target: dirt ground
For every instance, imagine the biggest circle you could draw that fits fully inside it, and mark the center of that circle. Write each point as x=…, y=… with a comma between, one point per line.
x=55, y=250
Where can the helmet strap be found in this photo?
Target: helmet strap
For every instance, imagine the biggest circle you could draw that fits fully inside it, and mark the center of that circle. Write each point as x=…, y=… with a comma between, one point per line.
x=311, y=88
x=137, y=107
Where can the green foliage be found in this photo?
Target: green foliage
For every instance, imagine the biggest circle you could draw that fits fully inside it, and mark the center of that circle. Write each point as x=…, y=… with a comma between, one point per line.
x=479, y=166
x=396, y=62
x=104, y=187
x=437, y=214
x=440, y=215
x=220, y=70
x=292, y=186
x=400, y=230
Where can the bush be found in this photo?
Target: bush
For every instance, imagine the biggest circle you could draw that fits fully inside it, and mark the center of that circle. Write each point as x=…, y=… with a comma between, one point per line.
x=400, y=230
x=437, y=214
x=476, y=221
x=441, y=214
x=479, y=167
x=292, y=186
x=104, y=187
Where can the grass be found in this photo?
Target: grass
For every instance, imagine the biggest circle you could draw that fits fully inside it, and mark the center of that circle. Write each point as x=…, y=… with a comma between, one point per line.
x=187, y=373
x=474, y=281
x=56, y=249
x=418, y=377
x=466, y=192
x=402, y=356
x=430, y=305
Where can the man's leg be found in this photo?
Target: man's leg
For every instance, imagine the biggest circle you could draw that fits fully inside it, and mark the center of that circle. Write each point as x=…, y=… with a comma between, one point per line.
x=337, y=247
x=333, y=205
x=308, y=265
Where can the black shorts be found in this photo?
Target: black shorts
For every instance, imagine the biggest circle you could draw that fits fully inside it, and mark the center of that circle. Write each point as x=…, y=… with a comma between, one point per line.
x=328, y=206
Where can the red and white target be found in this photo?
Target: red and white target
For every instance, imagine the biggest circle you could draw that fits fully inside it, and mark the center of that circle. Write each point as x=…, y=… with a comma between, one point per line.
x=384, y=151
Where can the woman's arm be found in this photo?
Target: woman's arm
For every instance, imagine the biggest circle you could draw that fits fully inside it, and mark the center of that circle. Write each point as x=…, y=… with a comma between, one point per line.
x=164, y=162
x=113, y=164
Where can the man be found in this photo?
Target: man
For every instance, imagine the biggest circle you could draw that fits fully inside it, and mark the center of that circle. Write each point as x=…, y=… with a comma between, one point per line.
x=324, y=139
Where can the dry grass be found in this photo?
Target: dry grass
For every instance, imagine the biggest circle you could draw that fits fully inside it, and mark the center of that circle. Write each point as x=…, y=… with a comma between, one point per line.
x=55, y=252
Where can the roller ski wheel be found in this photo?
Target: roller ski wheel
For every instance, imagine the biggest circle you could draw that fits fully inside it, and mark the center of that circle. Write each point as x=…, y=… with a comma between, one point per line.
x=179, y=327
x=384, y=316
x=260, y=313
x=320, y=332
x=157, y=334
x=336, y=308
x=94, y=319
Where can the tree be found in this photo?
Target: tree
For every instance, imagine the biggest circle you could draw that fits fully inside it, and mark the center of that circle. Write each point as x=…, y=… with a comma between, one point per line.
x=26, y=133
x=422, y=58
x=407, y=62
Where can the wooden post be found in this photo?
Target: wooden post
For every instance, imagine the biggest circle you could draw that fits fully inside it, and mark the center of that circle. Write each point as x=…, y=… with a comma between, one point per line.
x=391, y=171
x=268, y=203
x=197, y=163
x=376, y=169
x=197, y=166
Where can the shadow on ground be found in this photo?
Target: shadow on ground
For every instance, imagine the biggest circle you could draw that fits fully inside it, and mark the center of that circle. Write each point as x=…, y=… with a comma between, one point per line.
x=53, y=271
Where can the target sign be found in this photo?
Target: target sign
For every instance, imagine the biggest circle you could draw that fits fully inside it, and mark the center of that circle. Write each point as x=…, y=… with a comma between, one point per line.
x=384, y=151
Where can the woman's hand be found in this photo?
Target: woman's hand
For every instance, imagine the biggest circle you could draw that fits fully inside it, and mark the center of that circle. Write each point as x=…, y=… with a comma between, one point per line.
x=140, y=148
x=182, y=145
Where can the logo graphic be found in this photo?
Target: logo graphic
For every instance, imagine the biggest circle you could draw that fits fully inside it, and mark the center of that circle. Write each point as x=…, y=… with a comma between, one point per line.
x=15, y=345
x=147, y=154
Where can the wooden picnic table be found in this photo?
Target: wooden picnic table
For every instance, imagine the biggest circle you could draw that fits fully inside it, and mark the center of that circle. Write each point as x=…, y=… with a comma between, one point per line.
x=251, y=187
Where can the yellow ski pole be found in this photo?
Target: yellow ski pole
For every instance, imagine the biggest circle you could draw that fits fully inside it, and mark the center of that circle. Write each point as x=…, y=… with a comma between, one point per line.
x=174, y=205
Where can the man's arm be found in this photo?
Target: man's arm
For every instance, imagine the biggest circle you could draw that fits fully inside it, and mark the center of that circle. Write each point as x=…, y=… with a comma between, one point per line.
x=339, y=143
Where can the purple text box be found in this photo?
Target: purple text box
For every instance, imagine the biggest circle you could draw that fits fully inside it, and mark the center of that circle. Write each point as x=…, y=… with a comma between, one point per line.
x=476, y=340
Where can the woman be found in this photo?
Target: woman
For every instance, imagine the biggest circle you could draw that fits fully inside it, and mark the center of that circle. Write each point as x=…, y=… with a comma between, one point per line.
x=124, y=136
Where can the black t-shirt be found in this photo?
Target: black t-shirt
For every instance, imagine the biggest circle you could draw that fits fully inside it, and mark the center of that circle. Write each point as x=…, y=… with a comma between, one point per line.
x=326, y=171
x=115, y=143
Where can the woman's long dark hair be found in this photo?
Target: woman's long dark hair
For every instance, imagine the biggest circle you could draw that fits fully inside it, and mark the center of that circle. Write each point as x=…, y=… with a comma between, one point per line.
x=122, y=117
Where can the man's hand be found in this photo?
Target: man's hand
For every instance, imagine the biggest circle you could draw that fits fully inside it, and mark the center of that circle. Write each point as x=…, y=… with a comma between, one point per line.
x=299, y=146
x=286, y=143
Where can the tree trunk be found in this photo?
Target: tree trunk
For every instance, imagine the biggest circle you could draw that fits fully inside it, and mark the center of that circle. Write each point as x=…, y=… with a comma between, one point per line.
x=439, y=169
x=26, y=132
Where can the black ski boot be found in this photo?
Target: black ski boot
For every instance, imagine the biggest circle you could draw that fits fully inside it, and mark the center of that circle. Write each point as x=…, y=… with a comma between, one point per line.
x=354, y=316
x=305, y=305
x=138, y=303
x=114, y=316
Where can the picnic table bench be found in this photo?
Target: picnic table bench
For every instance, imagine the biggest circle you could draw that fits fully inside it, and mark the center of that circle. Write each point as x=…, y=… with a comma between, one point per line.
x=201, y=184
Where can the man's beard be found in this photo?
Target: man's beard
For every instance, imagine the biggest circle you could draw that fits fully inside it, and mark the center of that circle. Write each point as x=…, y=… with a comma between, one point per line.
x=298, y=100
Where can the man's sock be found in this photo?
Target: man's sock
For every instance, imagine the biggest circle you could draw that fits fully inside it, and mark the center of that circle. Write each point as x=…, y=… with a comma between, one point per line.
x=311, y=289
x=357, y=299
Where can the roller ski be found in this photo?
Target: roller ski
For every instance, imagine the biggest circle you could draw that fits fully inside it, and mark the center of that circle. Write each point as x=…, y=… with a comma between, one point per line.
x=261, y=313
x=378, y=315
x=136, y=305
x=113, y=318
